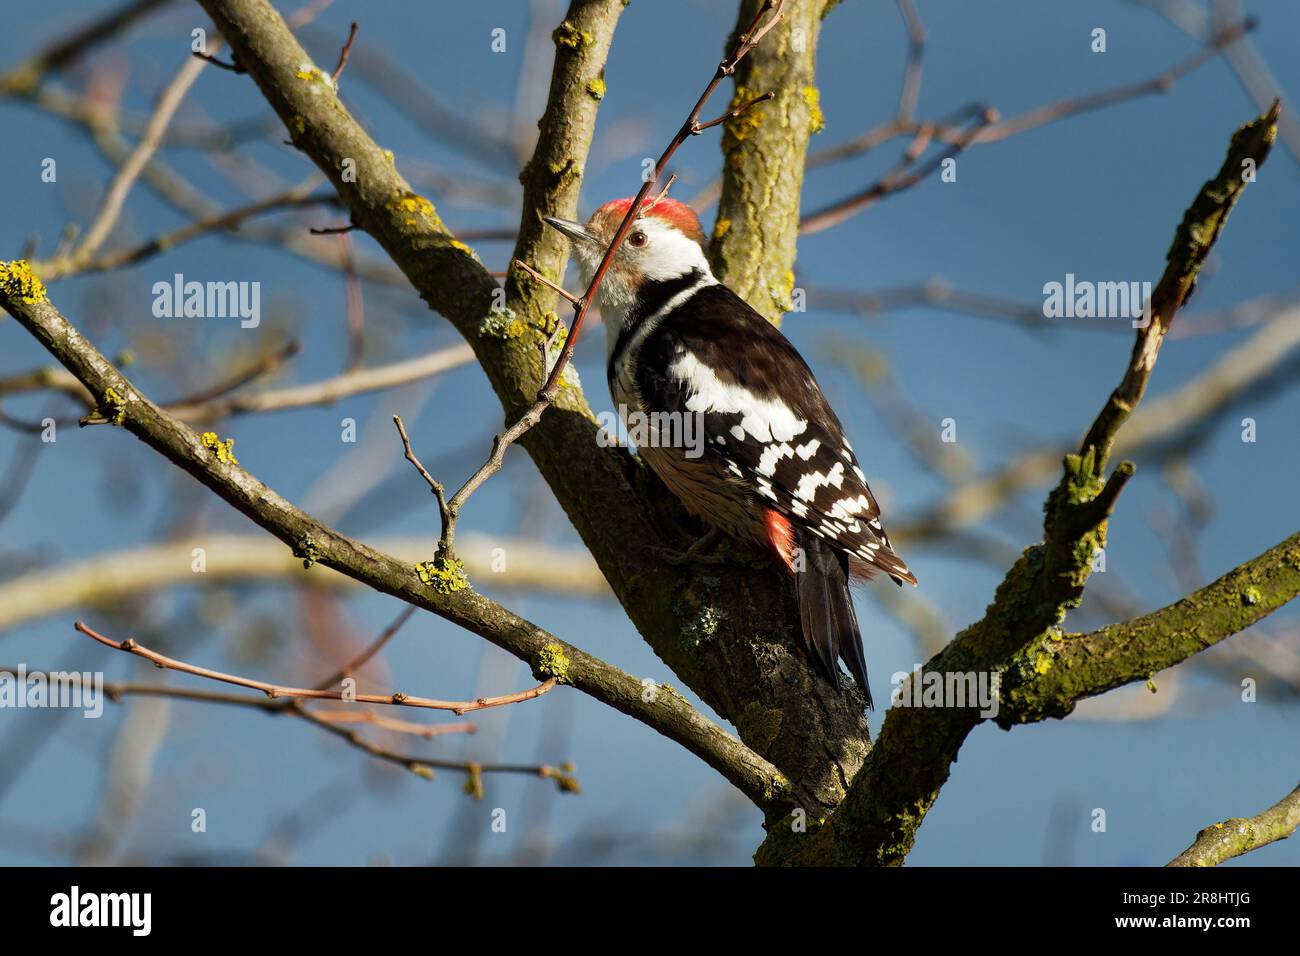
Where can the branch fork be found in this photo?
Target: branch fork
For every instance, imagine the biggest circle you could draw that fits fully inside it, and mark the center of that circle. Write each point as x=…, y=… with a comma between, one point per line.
x=768, y=16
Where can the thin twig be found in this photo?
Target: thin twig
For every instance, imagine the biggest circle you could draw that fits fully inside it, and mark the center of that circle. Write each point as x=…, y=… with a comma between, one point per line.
x=111, y=207
x=697, y=127
x=343, y=55
x=261, y=367
x=368, y=654
x=232, y=66
x=355, y=306
x=60, y=267
x=662, y=193
x=422, y=766
x=895, y=181
x=380, y=722
x=445, y=512
x=328, y=721
x=911, y=91
x=323, y=392
x=275, y=691
x=554, y=287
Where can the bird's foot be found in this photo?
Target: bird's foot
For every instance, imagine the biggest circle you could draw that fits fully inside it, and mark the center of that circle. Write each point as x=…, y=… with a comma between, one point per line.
x=695, y=554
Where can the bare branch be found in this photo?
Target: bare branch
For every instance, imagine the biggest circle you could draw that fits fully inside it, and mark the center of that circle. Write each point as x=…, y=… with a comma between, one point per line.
x=330, y=722
x=768, y=16
x=896, y=181
x=61, y=268
x=1196, y=235
x=344, y=54
x=58, y=56
x=220, y=64
x=265, y=365
x=448, y=517
x=377, y=645
x=1019, y=633
x=1237, y=836
x=697, y=127
x=1051, y=112
x=554, y=287
x=274, y=691
x=911, y=91
x=111, y=206
x=549, y=657
x=357, y=382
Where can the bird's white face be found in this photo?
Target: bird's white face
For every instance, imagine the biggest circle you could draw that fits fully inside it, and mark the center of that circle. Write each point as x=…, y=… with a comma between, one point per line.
x=653, y=251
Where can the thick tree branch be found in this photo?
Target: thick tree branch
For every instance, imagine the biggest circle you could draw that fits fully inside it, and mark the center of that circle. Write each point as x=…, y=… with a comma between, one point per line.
x=1237, y=836
x=553, y=373
x=1202, y=223
x=211, y=462
x=764, y=150
x=732, y=636
x=1069, y=667
x=889, y=798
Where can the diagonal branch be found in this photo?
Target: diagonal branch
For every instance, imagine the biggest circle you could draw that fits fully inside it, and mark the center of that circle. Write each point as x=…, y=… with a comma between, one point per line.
x=277, y=691
x=110, y=207
x=746, y=662
x=768, y=16
x=27, y=76
x=210, y=461
x=1069, y=667
x=1196, y=234
x=330, y=722
x=900, y=780
x=902, y=177
x=754, y=238
x=1238, y=836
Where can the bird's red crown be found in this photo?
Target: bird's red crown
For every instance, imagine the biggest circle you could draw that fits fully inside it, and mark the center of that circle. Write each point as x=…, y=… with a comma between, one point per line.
x=675, y=213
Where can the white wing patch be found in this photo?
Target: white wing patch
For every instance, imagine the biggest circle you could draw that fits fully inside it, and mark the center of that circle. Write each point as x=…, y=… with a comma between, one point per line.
x=765, y=420
x=771, y=455
x=810, y=482
x=846, y=508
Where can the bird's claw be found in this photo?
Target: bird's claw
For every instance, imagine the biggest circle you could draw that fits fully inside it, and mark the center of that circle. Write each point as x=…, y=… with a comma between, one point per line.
x=695, y=554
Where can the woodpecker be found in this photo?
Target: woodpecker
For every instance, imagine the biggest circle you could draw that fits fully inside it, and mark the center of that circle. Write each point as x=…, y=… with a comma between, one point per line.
x=775, y=466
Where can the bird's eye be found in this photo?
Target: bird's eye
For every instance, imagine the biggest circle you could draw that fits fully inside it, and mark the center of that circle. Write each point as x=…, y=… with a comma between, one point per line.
x=637, y=239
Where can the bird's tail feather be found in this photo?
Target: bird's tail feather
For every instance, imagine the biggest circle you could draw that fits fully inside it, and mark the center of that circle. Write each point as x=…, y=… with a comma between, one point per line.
x=830, y=625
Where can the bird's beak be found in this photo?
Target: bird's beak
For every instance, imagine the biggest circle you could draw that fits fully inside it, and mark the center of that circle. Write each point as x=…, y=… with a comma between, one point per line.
x=574, y=230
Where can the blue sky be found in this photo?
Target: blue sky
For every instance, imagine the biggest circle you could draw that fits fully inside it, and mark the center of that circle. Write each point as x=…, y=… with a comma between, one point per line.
x=1097, y=196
